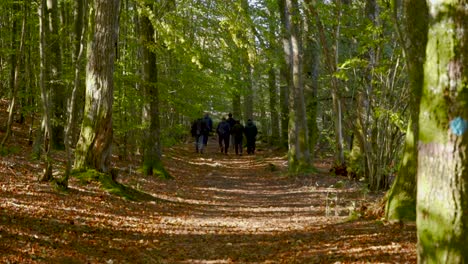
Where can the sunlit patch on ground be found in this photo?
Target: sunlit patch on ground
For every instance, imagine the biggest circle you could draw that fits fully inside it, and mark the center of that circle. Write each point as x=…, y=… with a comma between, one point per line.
x=218, y=209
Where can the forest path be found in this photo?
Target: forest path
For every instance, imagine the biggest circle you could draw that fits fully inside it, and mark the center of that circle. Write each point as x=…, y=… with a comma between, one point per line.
x=244, y=209
x=218, y=209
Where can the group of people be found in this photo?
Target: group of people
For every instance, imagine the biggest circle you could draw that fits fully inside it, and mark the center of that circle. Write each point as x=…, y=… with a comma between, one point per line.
x=230, y=132
x=200, y=130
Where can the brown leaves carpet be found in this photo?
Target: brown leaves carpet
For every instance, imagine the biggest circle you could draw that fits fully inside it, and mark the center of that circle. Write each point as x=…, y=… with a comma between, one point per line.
x=218, y=209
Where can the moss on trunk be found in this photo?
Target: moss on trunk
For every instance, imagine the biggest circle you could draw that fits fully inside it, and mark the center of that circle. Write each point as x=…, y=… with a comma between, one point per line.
x=401, y=203
x=93, y=150
x=442, y=196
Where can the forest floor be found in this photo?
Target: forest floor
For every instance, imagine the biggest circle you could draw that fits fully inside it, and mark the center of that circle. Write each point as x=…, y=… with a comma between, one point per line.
x=217, y=209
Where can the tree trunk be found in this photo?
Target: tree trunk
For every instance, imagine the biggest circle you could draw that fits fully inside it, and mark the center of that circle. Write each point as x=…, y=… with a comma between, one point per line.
x=249, y=91
x=80, y=33
x=94, y=146
x=46, y=127
x=152, y=148
x=298, y=150
x=57, y=87
x=284, y=77
x=311, y=75
x=236, y=106
x=274, y=137
x=442, y=182
x=401, y=203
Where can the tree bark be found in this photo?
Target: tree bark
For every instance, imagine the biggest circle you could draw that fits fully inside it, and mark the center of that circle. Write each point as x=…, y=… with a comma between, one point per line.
x=274, y=138
x=46, y=127
x=80, y=33
x=152, y=150
x=57, y=87
x=442, y=182
x=274, y=118
x=311, y=76
x=401, y=203
x=94, y=146
x=298, y=143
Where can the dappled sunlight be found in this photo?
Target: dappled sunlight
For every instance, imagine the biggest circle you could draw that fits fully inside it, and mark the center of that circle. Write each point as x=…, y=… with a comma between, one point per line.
x=243, y=207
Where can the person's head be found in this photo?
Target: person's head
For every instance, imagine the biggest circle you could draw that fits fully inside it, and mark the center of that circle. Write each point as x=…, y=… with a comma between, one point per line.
x=207, y=114
x=230, y=115
x=223, y=119
x=237, y=121
x=249, y=121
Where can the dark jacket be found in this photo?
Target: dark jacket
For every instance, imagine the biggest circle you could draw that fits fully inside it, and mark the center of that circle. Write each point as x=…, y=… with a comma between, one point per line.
x=223, y=128
x=231, y=122
x=209, y=123
x=250, y=130
x=199, y=127
x=238, y=131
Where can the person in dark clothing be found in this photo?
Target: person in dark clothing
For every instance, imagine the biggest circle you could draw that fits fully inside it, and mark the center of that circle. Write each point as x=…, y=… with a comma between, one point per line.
x=238, y=132
x=198, y=129
x=250, y=132
x=231, y=122
x=224, y=131
x=209, y=125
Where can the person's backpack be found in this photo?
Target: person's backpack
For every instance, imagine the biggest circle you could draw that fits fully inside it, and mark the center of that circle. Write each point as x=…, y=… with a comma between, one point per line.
x=223, y=128
x=197, y=127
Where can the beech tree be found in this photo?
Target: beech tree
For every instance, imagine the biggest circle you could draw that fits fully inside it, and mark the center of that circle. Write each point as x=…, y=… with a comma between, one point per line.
x=93, y=150
x=298, y=143
x=401, y=202
x=442, y=219
x=152, y=143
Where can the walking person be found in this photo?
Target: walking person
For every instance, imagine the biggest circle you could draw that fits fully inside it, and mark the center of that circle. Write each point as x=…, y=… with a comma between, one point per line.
x=224, y=131
x=209, y=128
x=238, y=133
x=231, y=122
x=250, y=132
x=198, y=129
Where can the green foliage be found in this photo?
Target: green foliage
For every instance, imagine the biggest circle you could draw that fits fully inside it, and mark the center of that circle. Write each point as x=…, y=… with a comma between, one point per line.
x=339, y=185
x=355, y=162
x=173, y=135
x=354, y=213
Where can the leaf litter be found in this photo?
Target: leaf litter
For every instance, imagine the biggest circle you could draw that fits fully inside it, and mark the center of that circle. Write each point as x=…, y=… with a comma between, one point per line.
x=217, y=209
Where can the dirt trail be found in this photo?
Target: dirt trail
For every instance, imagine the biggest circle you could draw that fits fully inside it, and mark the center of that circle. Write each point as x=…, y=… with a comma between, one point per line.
x=218, y=209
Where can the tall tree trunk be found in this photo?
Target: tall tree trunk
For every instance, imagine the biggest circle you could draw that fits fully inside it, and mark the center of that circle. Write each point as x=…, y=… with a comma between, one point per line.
x=311, y=75
x=249, y=91
x=94, y=146
x=57, y=102
x=44, y=80
x=401, y=203
x=298, y=150
x=272, y=83
x=236, y=106
x=285, y=78
x=442, y=182
x=152, y=149
x=80, y=34
x=273, y=96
